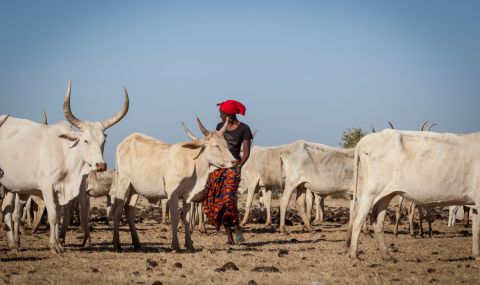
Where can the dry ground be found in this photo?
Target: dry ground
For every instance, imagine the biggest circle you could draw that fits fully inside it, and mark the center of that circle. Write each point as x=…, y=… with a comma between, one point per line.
x=301, y=258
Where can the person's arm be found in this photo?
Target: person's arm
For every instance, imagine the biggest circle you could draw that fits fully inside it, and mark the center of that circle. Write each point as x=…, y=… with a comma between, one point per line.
x=246, y=152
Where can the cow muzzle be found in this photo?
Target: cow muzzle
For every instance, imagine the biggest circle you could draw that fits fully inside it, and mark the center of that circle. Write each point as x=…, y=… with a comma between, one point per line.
x=101, y=166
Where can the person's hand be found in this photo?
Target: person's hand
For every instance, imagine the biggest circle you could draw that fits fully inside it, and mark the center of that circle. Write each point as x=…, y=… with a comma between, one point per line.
x=237, y=166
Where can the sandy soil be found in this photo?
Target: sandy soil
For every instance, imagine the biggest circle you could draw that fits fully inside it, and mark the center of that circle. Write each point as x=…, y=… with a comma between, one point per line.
x=299, y=257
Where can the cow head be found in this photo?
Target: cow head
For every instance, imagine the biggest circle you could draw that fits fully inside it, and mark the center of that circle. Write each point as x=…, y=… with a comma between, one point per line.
x=215, y=147
x=90, y=139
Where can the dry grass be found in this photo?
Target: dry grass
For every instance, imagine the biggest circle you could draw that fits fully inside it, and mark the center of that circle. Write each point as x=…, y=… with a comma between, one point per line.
x=317, y=257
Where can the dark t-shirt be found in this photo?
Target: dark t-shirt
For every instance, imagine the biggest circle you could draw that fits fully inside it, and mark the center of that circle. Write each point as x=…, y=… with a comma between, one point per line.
x=236, y=137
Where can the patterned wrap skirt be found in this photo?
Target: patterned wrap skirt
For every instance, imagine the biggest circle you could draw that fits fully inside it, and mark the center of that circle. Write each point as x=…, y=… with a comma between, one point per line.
x=220, y=204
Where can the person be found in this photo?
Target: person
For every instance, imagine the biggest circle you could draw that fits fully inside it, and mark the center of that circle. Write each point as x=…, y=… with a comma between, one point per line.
x=220, y=203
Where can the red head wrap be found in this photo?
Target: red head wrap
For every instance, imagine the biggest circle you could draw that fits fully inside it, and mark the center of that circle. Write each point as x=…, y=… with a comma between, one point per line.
x=232, y=107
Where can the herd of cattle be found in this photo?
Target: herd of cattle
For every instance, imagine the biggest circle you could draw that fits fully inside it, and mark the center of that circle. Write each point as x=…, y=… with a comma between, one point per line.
x=57, y=167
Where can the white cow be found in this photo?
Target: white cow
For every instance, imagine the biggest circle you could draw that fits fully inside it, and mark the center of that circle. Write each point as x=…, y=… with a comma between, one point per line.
x=319, y=168
x=261, y=172
x=411, y=206
x=157, y=170
x=99, y=184
x=319, y=206
x=431, y=169
x=51, y=160
x=301, y=166
x=454, y=211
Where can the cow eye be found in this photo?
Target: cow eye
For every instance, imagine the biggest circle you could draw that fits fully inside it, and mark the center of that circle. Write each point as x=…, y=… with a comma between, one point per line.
x=85, y=141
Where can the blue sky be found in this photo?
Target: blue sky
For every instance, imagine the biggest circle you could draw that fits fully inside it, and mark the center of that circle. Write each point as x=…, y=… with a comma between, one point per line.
x=304, y=69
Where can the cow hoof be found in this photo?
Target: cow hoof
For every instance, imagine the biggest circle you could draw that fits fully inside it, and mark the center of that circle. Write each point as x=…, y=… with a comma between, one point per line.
x=283, y=231
x=243, y=224
x=117, y=248
x=190, y=248
x=352, y=256
x=60, y=249
x=137, y=246
x=86, y=243
x=388, y=257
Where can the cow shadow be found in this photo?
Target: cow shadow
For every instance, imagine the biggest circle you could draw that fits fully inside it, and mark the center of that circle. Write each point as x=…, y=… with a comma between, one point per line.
x=150, y=247
x=459, y=259
x=281, y=242
x=21, y=258
x=265, y=230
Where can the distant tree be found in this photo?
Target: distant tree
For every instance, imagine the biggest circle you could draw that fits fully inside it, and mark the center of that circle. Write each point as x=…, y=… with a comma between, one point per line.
x=350, y=137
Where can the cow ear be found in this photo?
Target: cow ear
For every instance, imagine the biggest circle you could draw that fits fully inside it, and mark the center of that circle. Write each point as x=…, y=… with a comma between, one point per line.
x=68, y=136
x=193, y=144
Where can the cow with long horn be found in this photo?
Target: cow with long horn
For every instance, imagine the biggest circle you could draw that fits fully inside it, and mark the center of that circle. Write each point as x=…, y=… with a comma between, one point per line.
x=52, y=160
x=156, y=170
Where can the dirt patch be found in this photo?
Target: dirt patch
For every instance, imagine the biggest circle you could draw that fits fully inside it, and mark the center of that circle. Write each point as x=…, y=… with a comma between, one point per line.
x=300, y=257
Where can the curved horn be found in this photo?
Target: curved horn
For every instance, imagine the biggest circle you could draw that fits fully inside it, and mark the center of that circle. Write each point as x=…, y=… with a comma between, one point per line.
x=204, y=130
x=189, y=134
x=373, y=129
x=225, y=125
x=44, y=118
x=67, y=111
x=391, y=125
x=115, y=119
x=429, y=128
x=423, y=126
x=2, y=120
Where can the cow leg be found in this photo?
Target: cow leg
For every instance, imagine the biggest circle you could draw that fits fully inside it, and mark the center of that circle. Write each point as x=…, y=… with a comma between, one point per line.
x=26, y=216
x=55, y=246
x=8, y=204
x=466, y=216
x=84, y=216
x=429, y=221
x=420, y=217
x=186, y=220
x=109, y=209
x=378, y=213
x=131, y=214
x=309, y=204
x=117, y=208
x=17, y=216
x=252, y=188
x=411, y=217
x=476, y=234
x=398, y=214
x=451, y=216
x=351, y=211
x=193, y=215
x=319, y=208
x=201, y=220
x=359, y=216
x=119, y=197
x=39, y=213
x=174, y=217
x=267, y=199
x=66, y=215
x=286, y=196
x=164, y=211
x=300, y=201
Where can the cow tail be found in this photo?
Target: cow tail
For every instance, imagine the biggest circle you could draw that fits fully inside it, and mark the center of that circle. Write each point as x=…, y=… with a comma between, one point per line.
x=281, y=173
x=356, y=160
x=354, y=198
